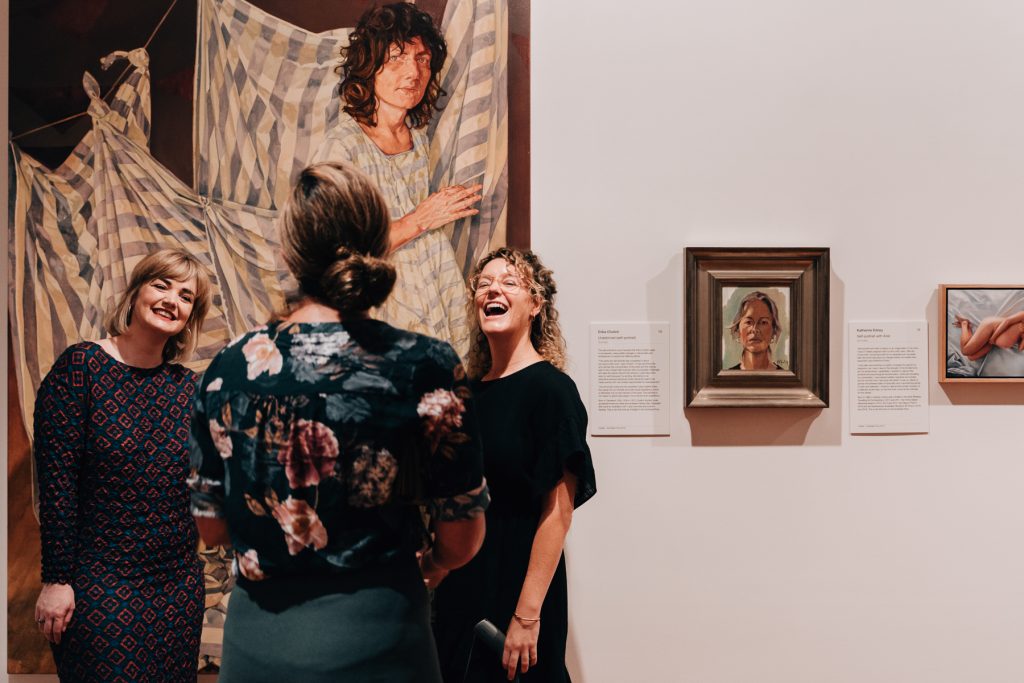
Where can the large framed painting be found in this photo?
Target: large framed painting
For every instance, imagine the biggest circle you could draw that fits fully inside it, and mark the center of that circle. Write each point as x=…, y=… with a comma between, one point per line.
x=194, y=141
x=757, y=327
x=981, y=333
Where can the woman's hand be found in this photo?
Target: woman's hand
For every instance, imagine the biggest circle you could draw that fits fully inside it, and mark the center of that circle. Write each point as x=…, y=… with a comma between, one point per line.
x=439, y=209
x=54, y=608
x=520, y=646
x=446, y=205
x=433, y=573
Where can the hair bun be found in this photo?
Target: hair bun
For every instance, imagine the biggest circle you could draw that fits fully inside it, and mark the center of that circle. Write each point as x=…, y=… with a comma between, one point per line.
x=356, y=282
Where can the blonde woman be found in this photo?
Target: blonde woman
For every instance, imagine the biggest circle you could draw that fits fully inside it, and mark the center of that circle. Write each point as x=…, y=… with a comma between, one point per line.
x=122, y=596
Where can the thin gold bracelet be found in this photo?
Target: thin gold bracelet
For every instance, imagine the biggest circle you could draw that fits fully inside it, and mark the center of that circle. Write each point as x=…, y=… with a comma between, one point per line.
x=523, y=621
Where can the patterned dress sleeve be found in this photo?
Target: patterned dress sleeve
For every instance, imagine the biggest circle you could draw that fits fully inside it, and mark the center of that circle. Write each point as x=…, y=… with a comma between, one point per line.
x=455, y=486
x=561, y=429
x=61, y=412
x=206, y=478
x=332, y=148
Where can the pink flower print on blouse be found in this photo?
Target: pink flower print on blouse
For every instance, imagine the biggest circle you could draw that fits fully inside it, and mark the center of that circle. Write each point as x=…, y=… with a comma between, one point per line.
x=221, y=439
x=302, y=526
x=310, y=453
x=441, y=411
x=249, y=566
x=261, y=355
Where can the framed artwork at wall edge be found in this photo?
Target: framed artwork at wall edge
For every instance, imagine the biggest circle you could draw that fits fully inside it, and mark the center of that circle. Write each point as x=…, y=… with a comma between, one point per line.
x=981, y=333
x=757, y=330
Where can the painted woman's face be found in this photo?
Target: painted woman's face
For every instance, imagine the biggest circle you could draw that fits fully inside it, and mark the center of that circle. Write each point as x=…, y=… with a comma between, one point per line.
x=755, y=330
x=402, y=80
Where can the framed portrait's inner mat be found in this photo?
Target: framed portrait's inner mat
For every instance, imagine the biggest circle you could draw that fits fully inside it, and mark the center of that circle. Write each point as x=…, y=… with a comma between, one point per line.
x=981, y=333
x=757, y=327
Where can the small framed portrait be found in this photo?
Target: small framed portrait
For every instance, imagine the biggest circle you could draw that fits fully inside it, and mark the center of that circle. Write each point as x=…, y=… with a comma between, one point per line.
x=757, y=327
x=981, y=333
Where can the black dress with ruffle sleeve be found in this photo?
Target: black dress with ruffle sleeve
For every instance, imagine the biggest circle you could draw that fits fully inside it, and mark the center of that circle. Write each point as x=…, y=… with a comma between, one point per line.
x=533, y=428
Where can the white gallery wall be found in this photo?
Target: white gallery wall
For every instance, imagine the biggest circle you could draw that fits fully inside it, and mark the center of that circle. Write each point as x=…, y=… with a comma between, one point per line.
x=769, y=545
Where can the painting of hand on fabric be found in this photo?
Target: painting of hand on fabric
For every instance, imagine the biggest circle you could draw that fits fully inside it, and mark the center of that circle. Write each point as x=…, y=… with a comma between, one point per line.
x=256, y=102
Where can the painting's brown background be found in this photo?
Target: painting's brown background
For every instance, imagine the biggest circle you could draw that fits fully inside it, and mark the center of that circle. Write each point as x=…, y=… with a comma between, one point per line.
x=52, y=42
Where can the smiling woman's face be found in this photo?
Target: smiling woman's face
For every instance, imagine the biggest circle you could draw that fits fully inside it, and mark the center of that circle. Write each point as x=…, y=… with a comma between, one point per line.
x=163, y=306
x=504, y=304
x=755, y=328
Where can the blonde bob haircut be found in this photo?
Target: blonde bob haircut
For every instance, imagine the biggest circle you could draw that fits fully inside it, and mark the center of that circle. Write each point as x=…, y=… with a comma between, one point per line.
x=172, y=264
x=545, y=332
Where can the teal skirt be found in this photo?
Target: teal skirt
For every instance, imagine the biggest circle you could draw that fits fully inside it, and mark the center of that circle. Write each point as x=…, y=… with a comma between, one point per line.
x=372, y=626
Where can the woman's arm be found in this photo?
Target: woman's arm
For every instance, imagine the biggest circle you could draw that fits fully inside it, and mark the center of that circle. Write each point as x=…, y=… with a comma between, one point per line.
x=1005, y=323
x=58, y=447
x=524, y=628
x=455, y=544
x=439, y=209
x=213, y=531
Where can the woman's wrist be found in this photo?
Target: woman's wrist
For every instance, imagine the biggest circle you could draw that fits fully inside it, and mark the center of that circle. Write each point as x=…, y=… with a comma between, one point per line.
x=526, y=621
x=430, y=562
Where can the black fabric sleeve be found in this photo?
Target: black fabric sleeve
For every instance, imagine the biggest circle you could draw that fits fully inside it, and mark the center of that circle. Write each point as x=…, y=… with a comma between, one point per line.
x=560, y=425
x=60, y=428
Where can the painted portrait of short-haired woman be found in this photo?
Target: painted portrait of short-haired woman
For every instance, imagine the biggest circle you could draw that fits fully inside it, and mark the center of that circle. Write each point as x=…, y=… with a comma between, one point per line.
x=756, y=334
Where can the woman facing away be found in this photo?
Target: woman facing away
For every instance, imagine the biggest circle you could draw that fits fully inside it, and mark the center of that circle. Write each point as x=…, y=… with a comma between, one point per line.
x=389, y=88
x=538, y=466
x=318, y=435
x=122, y=596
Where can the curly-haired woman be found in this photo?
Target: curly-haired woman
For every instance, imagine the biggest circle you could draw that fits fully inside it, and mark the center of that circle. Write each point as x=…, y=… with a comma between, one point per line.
x=389, y=89
x=533, y=426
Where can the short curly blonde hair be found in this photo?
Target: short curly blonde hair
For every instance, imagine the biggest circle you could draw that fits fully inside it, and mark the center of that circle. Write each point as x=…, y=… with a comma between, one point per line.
x=545, y=332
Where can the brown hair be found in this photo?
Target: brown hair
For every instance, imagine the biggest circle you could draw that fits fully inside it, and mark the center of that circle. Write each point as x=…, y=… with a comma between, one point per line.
x=545, y=332
x=369, y=45
x=173, y=264
x=334, y=238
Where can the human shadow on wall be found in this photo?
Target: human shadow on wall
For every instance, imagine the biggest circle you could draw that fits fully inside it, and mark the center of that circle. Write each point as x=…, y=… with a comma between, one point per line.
x=776, y=426
x=981, y=393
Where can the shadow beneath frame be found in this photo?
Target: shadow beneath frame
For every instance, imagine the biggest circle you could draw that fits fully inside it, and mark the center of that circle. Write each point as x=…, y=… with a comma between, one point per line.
x=783, y=426
x=750, y=426
x=984, y=394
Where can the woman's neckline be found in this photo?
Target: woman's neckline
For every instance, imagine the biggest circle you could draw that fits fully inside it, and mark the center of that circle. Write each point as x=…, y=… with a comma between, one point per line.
x=514, y=373
x=137, y=368
x=366, y=136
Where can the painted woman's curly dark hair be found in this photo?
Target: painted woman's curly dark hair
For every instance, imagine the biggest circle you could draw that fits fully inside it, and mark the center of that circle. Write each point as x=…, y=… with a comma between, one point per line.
x=369, y=46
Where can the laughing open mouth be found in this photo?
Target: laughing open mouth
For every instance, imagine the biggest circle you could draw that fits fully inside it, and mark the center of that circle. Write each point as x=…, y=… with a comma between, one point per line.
x=495, y=308
x=166, y=314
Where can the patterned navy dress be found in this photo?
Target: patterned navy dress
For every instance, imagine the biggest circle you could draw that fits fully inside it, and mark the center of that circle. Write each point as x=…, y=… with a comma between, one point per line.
x=111, y=452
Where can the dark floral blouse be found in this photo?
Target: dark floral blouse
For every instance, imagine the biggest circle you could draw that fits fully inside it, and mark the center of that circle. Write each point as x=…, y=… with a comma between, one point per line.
x=317, y=442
